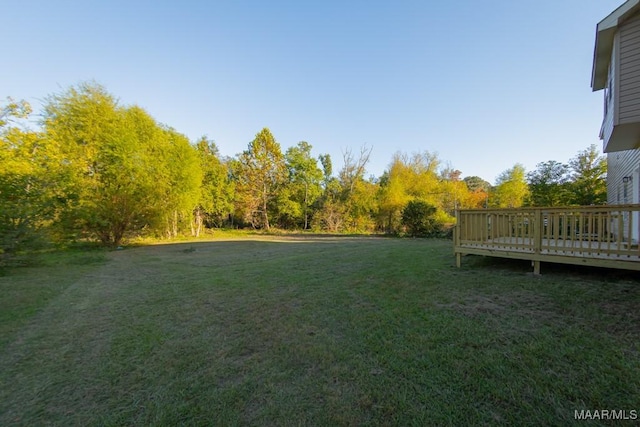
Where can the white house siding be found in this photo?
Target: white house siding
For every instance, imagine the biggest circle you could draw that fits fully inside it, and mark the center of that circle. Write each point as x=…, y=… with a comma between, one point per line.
x=629, y=72
x=623, y=164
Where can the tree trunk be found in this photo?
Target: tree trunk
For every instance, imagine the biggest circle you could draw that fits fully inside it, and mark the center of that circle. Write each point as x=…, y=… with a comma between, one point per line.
x=199, y=223
x=118, y=232
x=196, y=222
x=265, y=214
x=306, y=196
x=175, y=223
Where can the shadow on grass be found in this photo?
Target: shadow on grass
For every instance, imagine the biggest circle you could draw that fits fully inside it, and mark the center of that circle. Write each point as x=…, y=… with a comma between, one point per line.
x=250, y=241
x=551, y=269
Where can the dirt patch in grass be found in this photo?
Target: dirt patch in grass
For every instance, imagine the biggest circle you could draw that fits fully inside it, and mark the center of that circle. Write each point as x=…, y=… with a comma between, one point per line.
x=621, y=314
x=519, y=303
x=509, y=315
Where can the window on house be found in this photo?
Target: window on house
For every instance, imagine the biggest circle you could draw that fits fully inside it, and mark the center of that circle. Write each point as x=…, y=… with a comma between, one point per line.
x=608, y=90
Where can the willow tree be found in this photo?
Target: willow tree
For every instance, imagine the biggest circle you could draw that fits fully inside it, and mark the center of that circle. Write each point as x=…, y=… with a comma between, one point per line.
x=260, y=172
x=82, y=121
x=183, y=192
x=28, y=181
x=120, y=164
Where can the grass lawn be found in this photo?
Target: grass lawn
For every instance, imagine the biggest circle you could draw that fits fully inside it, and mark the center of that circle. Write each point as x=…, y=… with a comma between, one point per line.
x=313, y=331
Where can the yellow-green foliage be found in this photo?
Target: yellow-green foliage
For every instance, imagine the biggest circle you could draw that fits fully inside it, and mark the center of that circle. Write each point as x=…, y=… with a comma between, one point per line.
x=101, y=170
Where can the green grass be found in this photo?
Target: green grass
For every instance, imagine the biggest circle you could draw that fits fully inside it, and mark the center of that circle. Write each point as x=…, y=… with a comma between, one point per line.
x=312, y=331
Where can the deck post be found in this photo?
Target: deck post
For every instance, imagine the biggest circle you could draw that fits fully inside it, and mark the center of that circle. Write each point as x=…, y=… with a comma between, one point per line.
x=536, y=268
x=537, y=239
x=537, y=231
x=456, y=239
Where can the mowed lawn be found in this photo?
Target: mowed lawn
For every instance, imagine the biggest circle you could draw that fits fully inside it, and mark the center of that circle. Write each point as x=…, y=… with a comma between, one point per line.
x=312, y=331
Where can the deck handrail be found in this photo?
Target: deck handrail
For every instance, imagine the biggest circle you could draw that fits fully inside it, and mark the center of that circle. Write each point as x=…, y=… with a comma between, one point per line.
x=584, y=232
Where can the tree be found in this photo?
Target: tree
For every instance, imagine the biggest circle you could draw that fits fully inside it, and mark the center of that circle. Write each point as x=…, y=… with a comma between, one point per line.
x=419, y=177
x=12, y=111
x=358, y=195
x=327, y=167
x=261, y=171
x=139, y=178
x=454, y=191
x=80, y=121
x=348, y=202
x=217, y=190
x=391, y=200
x=305, y=178
x=125, y=173
x=511, y=190
x=185, y=174
x=589, y=177
x=478, y=192
x=354, y=168
x=475, y=183
x=330, y=212
x=128, y=184
x=549, y=184
x=28, y=181
x=361, y=206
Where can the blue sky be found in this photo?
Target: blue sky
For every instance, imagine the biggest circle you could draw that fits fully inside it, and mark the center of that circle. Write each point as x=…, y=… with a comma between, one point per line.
x=482, y=84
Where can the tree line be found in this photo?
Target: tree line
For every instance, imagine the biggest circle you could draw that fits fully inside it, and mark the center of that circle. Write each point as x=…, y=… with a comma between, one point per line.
x=95, y=169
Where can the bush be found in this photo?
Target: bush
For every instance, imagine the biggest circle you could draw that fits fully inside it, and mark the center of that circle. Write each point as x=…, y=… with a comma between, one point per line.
x=419, y=219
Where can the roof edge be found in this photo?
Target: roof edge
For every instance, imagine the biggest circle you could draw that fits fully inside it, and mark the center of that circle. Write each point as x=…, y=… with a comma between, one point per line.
x=605, y=32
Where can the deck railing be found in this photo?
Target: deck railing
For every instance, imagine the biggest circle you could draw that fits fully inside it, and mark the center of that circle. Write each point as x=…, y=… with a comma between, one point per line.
x=592, y=235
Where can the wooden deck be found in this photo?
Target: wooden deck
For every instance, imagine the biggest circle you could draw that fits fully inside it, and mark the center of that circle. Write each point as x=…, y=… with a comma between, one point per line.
x=601, y=236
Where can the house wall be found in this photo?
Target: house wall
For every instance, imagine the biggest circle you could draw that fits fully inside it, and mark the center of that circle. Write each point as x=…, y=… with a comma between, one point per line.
x=619, y=165
x=629, y=72
x=622, y=112
x=609, y=99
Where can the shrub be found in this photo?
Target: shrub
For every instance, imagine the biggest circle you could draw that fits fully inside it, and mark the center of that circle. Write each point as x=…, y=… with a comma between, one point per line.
x=419, y=219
